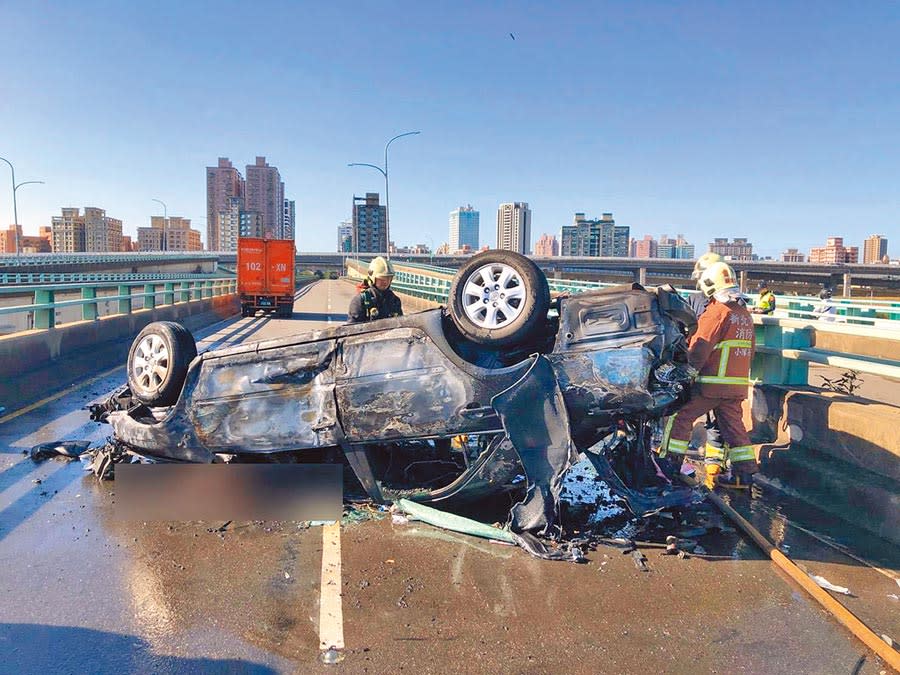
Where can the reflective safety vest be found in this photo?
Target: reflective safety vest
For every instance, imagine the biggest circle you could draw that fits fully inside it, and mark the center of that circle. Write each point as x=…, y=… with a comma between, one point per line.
x=722, y=349
x=766, y=302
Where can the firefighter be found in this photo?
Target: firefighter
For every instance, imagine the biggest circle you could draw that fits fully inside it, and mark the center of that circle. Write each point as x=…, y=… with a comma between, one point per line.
x=721, y=350
x=699, y=301
x=765, y=304
x=375, y=299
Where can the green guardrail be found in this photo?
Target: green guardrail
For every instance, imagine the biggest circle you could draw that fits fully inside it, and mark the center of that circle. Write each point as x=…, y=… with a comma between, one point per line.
x=42, y=310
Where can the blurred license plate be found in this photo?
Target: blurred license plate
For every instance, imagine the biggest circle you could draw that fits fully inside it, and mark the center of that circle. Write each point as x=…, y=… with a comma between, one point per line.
x=265, y=302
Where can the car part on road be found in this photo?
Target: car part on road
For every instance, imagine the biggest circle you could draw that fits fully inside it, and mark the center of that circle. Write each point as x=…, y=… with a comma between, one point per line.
x=499, y=298
x=66, y=449
x=158, y=361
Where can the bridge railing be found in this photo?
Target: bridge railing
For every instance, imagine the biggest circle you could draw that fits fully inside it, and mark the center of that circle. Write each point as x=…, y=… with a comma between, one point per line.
x=864, y=336
x=46, y=306
x=786, y=346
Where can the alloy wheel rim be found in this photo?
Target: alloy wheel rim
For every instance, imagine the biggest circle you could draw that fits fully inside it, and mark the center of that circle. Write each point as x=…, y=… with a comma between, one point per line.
x=151, y=363
x=493, y=296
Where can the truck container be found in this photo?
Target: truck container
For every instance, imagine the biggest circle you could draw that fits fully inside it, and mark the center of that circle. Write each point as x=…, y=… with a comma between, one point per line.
x=266, y=275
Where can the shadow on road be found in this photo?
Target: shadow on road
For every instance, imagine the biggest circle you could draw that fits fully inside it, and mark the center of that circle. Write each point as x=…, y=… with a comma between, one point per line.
x=37, y=648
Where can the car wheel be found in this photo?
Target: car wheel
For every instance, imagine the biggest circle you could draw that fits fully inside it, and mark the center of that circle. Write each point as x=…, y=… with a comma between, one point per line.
x=158, y=361
x=499, y=298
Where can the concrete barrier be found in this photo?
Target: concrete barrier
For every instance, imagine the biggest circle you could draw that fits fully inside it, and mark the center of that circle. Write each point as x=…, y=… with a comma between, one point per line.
x=840, y=453
x=36, y=363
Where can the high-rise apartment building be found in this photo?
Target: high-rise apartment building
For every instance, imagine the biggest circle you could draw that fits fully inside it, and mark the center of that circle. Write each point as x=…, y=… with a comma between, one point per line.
x=228, y=224
x=101, y=233
x=251, y=224
x=739, y=249
x=546, y=246
x=834, y=252
x=464, y=224
x=289, y=222
x=792, y=255
x=68, y=231
x=222, y=183
x=345, y=237
x=875, y=249
x=264, y=193
x=169, y=234
x=595, y=238
x=645, y=248
x=92, y=232
x=369, y=233
x=514, y=227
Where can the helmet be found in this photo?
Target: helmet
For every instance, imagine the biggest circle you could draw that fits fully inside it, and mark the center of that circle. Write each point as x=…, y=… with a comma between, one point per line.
x=825, y=293
x=705, y=261
x=717, y=277
x=762, y=286
x=381, y=268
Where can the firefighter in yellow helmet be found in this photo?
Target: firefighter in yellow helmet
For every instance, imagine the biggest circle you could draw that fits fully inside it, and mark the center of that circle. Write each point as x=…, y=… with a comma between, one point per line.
x=375, y=299
x=721, y=350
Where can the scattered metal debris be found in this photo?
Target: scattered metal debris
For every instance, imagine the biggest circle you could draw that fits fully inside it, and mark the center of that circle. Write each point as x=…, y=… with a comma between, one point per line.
x=828, y=586
x=66, y=449
x=640, y=560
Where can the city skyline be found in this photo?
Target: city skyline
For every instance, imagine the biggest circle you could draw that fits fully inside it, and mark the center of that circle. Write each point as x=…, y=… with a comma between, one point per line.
x=710, y=120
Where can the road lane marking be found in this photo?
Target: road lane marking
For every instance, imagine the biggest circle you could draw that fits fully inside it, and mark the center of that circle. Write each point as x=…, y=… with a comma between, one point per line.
x=331, y=617
x=58, y=395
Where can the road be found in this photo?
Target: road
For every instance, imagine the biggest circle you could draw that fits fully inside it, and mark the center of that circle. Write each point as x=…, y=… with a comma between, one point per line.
x=83, y=591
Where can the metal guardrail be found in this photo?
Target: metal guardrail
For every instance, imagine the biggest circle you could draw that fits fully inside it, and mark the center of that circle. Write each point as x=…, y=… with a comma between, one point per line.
x=123, y=297
x=785, y=341
x=27, y=278
x=13, y=260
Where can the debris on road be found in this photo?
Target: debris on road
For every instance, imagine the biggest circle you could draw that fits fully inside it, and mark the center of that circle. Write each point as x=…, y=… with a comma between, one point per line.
x=640, y=560
x=66, y=449
x=828, y=586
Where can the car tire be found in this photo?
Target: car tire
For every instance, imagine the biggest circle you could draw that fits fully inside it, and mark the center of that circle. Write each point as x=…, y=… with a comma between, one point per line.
x=158, y=362
x=499, y=298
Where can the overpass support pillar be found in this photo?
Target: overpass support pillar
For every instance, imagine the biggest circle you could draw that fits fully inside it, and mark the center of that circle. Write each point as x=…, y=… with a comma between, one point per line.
x=89, y=309
x=847, y=283
x=642, y=276
x=46, y=316
x=743, y=281
x=149, y=296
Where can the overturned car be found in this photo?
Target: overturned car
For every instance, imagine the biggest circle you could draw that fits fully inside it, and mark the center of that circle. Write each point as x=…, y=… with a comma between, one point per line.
x=501, y=391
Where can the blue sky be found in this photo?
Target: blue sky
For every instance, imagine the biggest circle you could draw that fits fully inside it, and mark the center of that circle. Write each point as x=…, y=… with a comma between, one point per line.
x=775, y=121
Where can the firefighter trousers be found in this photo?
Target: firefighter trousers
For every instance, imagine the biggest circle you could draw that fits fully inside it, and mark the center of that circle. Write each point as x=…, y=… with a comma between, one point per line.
x=735, y=444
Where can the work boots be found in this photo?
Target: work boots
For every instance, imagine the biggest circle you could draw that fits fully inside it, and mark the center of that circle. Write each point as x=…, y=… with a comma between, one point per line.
x=736, y=480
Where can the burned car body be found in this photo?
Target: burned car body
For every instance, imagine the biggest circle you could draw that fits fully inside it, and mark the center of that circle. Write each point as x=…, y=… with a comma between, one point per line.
x=589, y=377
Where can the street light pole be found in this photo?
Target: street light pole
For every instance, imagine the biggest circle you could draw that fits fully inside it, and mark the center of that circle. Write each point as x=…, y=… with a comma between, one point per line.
x=15, y=207
x=387, y=197
x=165, y=210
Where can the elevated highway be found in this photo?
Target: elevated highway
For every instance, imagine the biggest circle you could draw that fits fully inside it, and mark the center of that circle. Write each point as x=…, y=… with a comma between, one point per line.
x=84, y=587
x=881, y=280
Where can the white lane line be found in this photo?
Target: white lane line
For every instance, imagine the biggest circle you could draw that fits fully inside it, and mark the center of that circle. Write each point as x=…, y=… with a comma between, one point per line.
x=68, y=390
x=331, y=617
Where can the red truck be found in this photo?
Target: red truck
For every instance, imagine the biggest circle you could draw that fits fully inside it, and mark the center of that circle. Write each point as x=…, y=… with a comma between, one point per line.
x=266, y=275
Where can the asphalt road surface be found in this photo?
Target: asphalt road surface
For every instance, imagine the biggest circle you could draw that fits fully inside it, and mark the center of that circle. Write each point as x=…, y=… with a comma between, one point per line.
x=81, y=591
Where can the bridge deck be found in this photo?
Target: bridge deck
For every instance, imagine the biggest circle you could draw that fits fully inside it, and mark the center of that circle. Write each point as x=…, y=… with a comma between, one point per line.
x=80, y=587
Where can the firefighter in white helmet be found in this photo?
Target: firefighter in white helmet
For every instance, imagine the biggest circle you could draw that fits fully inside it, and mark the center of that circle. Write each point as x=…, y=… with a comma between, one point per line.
x=721, y=349
x=375, y=299
x=699, y=301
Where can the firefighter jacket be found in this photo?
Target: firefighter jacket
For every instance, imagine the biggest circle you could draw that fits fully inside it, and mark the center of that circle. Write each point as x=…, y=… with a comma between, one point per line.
x=370, y=304
x=722, y=349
